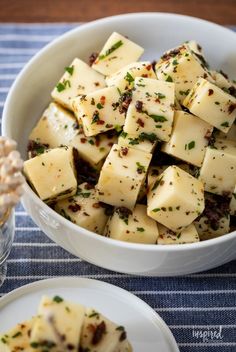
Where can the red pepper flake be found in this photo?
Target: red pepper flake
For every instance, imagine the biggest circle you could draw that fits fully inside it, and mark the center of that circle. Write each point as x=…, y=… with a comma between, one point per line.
x=208, y=134
x=139, y=106
x=145, y=75
x=97, y=84
x=92, y=58
x=210, y=91
x=98, y=333
x=74, y=207
x=83, y=140
x=124, y=150
x=205, y=75
x=96, y=205
x=100, y=122
x=149, y=67
x=110, y=144
x=140, y=122
x=231, y=108
x=102, y=100
x=97, y=141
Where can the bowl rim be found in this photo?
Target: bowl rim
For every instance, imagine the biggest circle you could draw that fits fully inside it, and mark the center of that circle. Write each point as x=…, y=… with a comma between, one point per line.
x=29, y=192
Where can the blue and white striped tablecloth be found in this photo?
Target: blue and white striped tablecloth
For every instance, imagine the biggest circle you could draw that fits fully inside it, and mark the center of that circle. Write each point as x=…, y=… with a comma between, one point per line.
x=190, y=304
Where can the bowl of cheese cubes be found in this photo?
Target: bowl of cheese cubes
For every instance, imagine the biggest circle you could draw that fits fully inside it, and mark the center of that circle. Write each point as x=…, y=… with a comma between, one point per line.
x=127, y=126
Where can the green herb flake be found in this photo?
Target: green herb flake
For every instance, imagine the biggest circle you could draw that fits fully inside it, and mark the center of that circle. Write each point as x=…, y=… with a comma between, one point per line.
x=19, y=333
x=156, y=184
x=3, y=340
x=100, y=106
x=217, y=102
x=141, y=169
x=158, y=118
x=169, y=79
x=129, y=78
x=148, y=136
x=140, y=229
x=70, y=69
x=34, y=344
x=178, y=236
x=57, y=299
x=111, y=50
x=94, y=314
x=175, y=62
x=160, y=95
x=184, y=92
x=118, y=128
x=123, y=134
x=191, y=145
x=155, y=210
x=95, y=118
x=63, y=85
x=225, y=124
x=120, y=328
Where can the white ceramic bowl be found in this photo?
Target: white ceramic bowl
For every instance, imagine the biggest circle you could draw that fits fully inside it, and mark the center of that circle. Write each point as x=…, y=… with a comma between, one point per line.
x=30, y=94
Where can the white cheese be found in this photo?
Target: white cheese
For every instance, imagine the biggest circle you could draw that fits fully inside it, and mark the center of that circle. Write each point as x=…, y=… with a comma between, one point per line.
x=135, y=226
x=175, y=199
x=122, y=176
x=189, y=138
x=167, y=236
x=222, y=81
x=84, y=209
x=79, y=79
x=143, y=142
x=124, y=78
x=182, y=67
x=151, y=110
x=111, y=337
x=211, y=104
x=17, y=339
x=52, y=174
x=99, y=111
x=56, y=318
x=218, y=171
x=117, y=52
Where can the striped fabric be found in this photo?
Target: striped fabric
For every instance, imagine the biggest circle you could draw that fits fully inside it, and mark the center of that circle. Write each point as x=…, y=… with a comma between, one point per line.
x=193, y=306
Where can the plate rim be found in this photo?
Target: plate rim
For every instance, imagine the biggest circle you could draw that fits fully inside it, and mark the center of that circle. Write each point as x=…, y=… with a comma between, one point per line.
x=87, y=282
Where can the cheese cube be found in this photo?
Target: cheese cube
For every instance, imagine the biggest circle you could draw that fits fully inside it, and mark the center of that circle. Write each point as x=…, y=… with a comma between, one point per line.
x=99, y=111
x=211, y=104
x=218, y=171
x=188, y=139
x=175, y=199
x=52, y=174
x=231, y=135
x=17, y=339
x=145, y=142
x=79, y=79
x=194, y=46
x=122, y=176
x=151, y=110
x=104, y=336
x=232, y=204
x=117, y=52
x=84, y=209
x=222, y=81
x=187, y=235
x=57, y=318
x=181, y=66
x=124, y=78
x=214, y=221
x=128, y=226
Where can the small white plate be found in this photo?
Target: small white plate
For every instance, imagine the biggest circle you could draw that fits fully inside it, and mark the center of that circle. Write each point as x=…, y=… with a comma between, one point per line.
x=145, y=329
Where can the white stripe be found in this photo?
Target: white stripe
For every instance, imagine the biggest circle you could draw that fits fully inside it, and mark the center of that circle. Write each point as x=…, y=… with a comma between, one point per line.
x=12, y=65
x=207, y=344
x=18, y=51
x=27, y=229
x=194, y=309
x=2, y=104
x=232, y=326
x=27, y=37
x=4, y=89
x=206, y=292
x=7, y=76
x=35, y=244
x=21, y=213
x=30, y=260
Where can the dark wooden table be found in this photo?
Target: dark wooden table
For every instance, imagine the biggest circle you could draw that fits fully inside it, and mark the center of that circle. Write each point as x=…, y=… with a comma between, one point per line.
x=219, y=11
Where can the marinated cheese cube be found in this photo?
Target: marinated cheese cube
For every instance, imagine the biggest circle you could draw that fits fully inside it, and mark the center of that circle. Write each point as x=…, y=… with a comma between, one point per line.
x=17, y=339
x=122, y=176
x=218, y=171
x=84, y=209
x=128, y=226
x=79, y=79
x=104, y=336
x=215, y=219
x=57, y=318
x=175, y=199
x=124, y=78
x=194, y=46
x=231, y=135
x=189, y=138
x=117, y=52
x=151, y=110
x=99, y=111
x=187, y=235
x=222, y=81
x=145, y=142
x=232, y=204
x=211, y=104
x=183, y=67
x=52, y=174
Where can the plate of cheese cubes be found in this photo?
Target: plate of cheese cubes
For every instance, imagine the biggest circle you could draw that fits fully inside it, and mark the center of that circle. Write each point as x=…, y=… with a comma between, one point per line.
x=74, y=314
x=137, y=141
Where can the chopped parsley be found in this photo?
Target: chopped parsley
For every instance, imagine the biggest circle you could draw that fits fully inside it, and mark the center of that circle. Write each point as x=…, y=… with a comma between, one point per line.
x=70, y=69
x=190, y=145
x=175, y=62
x=57, y=299
x=158, y=118
x=160, y=95
x=63, y=85
x=169, y=79
x=123, y=134
x=140, y=168
x=140, y=229
x=111, y=49
x=100, y=106
x=95, y=117
x=129, y=78
x=155, y=210
x=19, y=333
x=82, y=194
x=225, y=124
x=147, y=136
x=156, y=184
